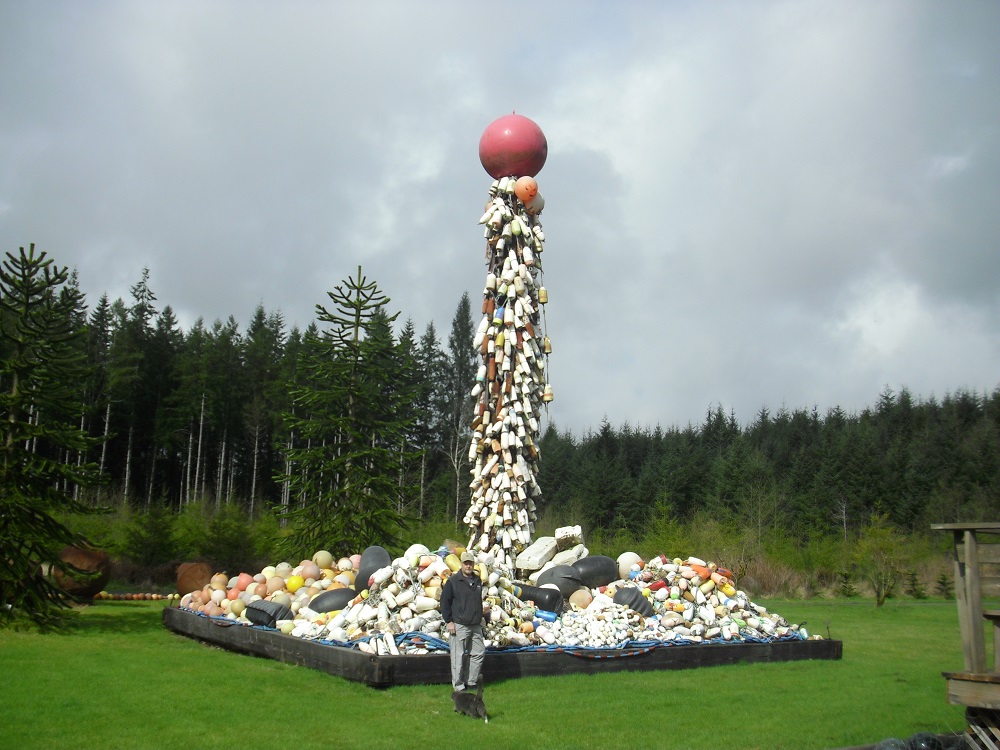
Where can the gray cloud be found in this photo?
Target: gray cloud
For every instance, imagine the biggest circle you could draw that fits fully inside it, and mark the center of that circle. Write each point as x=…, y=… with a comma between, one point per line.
x=778, y=203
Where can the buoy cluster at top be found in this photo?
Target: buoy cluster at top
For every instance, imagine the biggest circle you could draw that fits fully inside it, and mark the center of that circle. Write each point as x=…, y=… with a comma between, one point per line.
x=569, y=599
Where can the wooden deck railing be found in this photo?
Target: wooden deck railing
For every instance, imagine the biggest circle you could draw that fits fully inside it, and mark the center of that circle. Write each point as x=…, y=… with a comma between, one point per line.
x=977, y=574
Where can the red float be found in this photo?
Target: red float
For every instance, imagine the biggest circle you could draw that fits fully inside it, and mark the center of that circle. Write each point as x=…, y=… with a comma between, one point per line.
x=513, y=145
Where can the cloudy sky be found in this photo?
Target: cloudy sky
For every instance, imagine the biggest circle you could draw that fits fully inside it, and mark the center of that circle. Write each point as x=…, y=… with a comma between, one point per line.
x=749, y=204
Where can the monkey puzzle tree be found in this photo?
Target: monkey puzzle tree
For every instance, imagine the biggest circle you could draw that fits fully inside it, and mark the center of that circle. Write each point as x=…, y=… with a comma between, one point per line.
x=41, y=398
x=351, y=410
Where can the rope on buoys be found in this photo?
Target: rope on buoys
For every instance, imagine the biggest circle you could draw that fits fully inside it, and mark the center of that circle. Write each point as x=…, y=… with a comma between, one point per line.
x=621, y=655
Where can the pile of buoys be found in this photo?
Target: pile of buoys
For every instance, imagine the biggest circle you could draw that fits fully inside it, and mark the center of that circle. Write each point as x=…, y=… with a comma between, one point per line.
x=105, y=596
x=382, y=605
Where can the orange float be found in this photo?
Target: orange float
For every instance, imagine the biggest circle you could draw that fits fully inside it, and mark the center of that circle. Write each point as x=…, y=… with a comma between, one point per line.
x=525, y=189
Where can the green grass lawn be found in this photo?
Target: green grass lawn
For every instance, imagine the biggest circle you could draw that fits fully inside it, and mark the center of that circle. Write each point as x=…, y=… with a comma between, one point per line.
x=121, y=680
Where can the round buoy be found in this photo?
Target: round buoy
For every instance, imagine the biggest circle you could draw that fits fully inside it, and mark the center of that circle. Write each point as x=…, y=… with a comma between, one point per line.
x=323, y=559
x=525, y=189
x=581, y=598
x=513, y=145
x=625, y=562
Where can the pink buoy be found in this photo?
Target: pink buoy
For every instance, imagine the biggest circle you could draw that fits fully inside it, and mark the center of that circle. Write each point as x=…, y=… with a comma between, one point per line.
x=525, y=189
x=513, y=145
x=581, y=598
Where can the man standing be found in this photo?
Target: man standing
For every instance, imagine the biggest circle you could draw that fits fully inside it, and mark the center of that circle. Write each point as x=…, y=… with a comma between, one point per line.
x=462, y=608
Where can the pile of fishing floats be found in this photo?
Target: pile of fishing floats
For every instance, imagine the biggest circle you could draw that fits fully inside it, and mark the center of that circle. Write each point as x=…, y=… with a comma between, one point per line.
x=123, y=597
x=570, y=600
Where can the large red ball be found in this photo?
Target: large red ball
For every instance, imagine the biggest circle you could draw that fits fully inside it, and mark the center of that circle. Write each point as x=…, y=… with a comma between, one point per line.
x=513, y=145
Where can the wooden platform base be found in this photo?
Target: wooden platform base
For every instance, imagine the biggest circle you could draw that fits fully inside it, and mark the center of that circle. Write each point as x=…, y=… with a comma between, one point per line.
x=975, y=689
x=424, y=669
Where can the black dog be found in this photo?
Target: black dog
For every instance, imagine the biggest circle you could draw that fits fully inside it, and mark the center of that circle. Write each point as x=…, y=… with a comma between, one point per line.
x=471, y=703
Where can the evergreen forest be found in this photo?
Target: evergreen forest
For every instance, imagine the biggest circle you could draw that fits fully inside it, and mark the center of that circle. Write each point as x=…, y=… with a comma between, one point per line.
x=263, y=418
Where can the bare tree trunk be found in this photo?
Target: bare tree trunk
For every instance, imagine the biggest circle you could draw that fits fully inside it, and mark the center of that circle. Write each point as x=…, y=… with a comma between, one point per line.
x=399, y=484
x=302, y=492
x=253, y=478
x=152, y=474
x=201, y=432
x=128, y=463
x=29, y=445
x=222, y=472
x=455, y=458
x=840, y=514
x=187, y=469
x=423, y=481
x=104, y=445
x=286, y=487
x=79, y=459
x=232, y=476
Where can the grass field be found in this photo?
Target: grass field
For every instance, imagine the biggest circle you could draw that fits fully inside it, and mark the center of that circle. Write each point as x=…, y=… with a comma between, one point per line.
x=121, y=680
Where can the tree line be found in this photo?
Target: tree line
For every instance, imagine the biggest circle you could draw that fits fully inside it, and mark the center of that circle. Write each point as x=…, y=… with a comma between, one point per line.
x=221, y=415
x=910, y=461
x=218, y=414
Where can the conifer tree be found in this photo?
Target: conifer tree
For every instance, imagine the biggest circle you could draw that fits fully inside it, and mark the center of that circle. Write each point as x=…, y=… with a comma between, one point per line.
x=350, y=416
x=41, y=379
x=262, y=352
x=460, y=377
x=431, y=409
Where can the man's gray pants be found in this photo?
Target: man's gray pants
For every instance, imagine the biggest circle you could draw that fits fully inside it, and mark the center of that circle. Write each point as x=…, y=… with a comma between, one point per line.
x=468, y=639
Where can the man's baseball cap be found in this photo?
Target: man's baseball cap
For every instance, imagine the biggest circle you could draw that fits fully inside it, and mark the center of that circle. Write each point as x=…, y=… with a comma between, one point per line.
x=468, y=557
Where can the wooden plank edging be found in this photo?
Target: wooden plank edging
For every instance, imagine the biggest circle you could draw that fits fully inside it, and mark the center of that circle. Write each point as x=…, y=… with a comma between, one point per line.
x=426, y=669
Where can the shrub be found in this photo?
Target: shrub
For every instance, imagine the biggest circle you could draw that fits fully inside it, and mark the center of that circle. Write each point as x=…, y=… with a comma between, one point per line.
x=229, y=543
x=845, y=584
x=666, y=535
x=943, y=586
x=914, y=587
x=105, y=530
x=191, y=532
x=766, y=578
x=265, y=533
x=879, y=555
x=432, y=533
x=149, y=537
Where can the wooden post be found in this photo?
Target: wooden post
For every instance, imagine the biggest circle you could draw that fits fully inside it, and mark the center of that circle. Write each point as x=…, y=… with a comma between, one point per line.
x=969, y=583
x=962, y=600
x=975, y=603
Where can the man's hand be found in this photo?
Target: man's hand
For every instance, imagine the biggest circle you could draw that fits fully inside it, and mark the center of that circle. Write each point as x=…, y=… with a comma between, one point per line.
x=451, y=628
